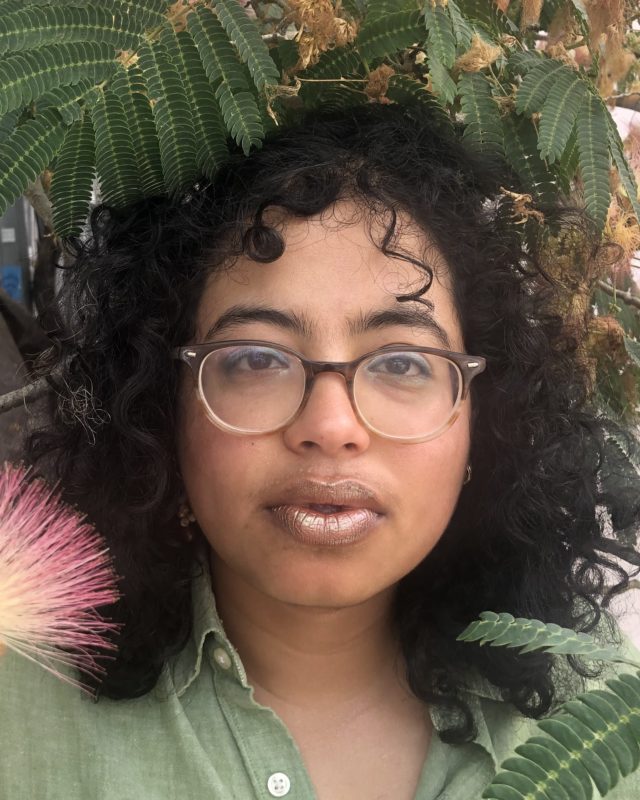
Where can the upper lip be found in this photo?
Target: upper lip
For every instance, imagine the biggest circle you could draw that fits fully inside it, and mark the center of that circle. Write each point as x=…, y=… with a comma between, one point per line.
x=345, y=492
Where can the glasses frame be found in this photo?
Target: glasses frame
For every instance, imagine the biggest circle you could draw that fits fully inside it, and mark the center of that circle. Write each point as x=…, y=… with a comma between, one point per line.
x=468, y=367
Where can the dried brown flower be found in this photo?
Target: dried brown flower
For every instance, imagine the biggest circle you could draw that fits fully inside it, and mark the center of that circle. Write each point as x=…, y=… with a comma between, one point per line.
x=478, y=56
x=378, y=83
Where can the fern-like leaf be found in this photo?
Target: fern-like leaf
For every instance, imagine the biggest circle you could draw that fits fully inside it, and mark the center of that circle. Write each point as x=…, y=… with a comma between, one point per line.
x=379, y=9
x=568, y=162
x=8, y=124
x=73, y=178
x=633, y=350
x=408, y=91
x=241, y=115
x=627, y=178
x=388, y=34
x=33, y=28
x=70, y=101
x=218, y=55
x=559, y=113
x=521, y=150
x=462, y=30
x=239, y=108
x=115, y=155
x=483, y=125
x=172, y=115
x=211, y=135
x=488, y=15
x=537, y=84
x=26, y=76
x=245, y=35
x=130, y=87
x=27, y=152
x=443, y=84
x=441, y=42
x=151, y=12
x=531, y=634
x=593, y=739
x=343, y=62
x=591, y=131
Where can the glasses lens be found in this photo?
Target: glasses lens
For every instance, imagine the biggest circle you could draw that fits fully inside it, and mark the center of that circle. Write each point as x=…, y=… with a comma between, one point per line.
x=406, y=394
x=252, y=387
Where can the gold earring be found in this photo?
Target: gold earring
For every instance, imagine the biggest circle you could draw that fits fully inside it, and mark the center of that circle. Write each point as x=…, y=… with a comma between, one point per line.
x=185, y=514
x=468, y=478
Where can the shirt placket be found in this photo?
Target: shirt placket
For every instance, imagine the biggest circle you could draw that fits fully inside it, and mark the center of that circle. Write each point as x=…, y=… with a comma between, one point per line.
x=270, y=756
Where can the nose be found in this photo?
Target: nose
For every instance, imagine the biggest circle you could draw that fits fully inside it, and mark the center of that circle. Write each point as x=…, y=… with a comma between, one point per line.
x=328, y=422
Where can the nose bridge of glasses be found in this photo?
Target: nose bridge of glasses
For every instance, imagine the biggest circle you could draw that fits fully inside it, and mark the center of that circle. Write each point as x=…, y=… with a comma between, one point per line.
x=314, y=369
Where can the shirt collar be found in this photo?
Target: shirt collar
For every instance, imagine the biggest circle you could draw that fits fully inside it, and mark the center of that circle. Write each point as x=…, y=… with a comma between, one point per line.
x=186, y=666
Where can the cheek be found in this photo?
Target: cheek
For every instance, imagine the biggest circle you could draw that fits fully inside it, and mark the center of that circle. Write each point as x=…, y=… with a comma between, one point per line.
x=431, y=475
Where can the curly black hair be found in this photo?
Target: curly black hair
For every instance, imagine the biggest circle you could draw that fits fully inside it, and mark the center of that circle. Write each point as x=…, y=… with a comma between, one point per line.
x=537, y=530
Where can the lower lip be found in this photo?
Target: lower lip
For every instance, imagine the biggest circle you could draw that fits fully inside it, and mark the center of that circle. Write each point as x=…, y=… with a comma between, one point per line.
x=314, y=528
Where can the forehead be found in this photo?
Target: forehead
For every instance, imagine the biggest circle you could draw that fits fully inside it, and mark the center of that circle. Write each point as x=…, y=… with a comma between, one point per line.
x=332, y=271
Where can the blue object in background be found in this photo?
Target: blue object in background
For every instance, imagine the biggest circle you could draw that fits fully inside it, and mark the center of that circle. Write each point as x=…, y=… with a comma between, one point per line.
x=11, y=281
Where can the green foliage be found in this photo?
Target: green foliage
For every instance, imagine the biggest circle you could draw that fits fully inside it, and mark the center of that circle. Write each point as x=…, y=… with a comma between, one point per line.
x=536, y=85
x=591, y=739
x=115, y=155
x=34, y=27
x=441, y=42
x=388, y=34
x=521, y=150
x=462, y=30
x=27, y=151
x=223, y=69
x=211, y=139
x=26, y=76
x=185, y=94
x=504, y=630
x=483, y=126
x=559, y=113
x=73, y=179
x=246, y=37
x=172, y=115
x=130, y=87
x=593, y=150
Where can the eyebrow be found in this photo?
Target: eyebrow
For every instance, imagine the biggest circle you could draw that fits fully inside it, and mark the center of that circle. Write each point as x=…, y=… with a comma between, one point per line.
x=300, y=324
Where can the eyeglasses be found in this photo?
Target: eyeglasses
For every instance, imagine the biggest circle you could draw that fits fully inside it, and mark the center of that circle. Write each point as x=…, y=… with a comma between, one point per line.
x=401, y=392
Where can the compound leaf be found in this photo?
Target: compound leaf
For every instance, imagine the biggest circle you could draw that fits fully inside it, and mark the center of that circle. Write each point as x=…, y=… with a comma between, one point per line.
x=559, y=113
x=27, y=152
x=245, y=35
x=172, y=116
x=115, y=155
x=130, y=87
x=591, y=132
x=72, y=181
x=388, y=34
x=483, y=125
x=441, y=42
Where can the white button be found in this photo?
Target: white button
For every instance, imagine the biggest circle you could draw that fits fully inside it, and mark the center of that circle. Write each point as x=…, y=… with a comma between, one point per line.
x=278, y=784
x=221, y=657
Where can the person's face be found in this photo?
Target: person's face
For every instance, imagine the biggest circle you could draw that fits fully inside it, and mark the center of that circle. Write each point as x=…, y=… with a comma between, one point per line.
x=330, y=275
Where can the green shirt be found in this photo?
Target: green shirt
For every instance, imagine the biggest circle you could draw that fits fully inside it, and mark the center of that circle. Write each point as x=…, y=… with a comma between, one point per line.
x=199, y=734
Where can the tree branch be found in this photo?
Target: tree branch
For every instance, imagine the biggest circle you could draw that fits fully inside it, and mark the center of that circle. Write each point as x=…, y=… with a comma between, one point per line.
x=27, y=394
x=626, y=297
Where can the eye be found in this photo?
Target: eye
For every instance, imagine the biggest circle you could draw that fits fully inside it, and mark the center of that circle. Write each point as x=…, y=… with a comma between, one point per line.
x=254, y=359
x=400, y=365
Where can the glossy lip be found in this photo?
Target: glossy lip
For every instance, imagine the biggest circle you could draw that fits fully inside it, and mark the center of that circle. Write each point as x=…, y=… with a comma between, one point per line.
x=359, y=515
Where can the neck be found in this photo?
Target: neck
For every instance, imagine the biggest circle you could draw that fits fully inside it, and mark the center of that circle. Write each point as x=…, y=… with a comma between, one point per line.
x=306, y=656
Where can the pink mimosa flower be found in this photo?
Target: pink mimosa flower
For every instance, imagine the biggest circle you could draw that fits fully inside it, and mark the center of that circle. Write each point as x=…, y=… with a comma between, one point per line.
x=55, y=573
